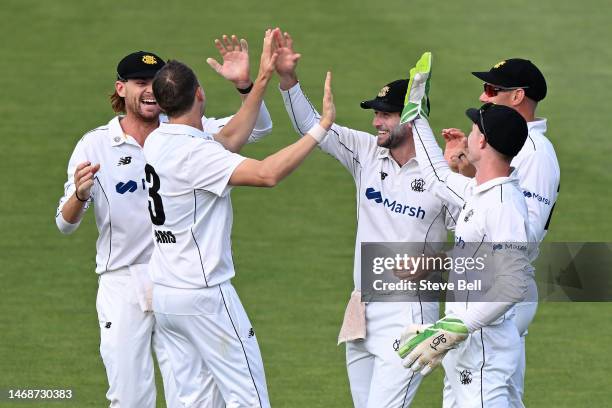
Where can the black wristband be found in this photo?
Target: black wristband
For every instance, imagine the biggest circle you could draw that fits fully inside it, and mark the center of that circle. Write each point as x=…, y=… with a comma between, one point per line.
x=76, y=194
x=246, y=90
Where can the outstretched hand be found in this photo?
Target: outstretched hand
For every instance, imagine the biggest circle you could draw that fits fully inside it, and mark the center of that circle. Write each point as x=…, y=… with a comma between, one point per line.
x=287, y=58
x=235, y=54
x=329, y=109
x=269, y=54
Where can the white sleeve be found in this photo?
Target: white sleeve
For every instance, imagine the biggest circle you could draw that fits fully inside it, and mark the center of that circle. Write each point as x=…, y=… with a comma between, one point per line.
x=345, y=144
x=210, y=166
x=539, y=180
x=510, y=264
x=78, y=157
x=263, y=124
x=450, y=187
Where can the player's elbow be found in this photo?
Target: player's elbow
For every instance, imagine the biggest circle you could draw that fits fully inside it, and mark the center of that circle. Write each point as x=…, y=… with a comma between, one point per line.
x=64, y=226
x=269, y=180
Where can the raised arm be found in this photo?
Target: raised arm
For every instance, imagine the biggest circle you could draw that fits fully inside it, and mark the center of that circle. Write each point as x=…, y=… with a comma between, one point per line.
x=274, y=168
x=439, y=179
x=343, y=143
x=253, y=120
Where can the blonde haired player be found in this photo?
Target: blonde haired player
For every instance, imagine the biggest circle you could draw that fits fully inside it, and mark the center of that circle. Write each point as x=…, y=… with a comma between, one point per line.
x=106, y=170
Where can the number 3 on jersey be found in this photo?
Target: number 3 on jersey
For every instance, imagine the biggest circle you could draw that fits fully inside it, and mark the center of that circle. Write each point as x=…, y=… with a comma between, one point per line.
x=158, y=217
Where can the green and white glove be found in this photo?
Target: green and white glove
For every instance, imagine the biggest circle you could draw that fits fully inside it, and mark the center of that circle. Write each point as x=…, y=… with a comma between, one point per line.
x=423, y=347
x=417, y=97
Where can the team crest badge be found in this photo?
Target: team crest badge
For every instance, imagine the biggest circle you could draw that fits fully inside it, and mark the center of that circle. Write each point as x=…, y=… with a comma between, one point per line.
x=396, y=344
x=499, y=64
x=418, y=185
x=149, y=59
x=383, y=92
x=465, y=377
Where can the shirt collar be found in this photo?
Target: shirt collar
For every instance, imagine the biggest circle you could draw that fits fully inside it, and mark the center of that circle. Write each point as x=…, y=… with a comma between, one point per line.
x=538, y=125
x=384, y=153
x=115, y=132
x=176, y=129
x=512, y=178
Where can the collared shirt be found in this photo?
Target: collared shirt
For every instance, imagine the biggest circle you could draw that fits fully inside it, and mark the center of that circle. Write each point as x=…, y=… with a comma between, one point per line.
x=538, y=171
x=393, y=204
x=190, y=206
x=119, y=194
x=492, y=213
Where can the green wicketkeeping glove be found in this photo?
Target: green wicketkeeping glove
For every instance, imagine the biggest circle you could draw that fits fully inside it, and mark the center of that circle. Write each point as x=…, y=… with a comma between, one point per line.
x=423, y=347
x=417, y=96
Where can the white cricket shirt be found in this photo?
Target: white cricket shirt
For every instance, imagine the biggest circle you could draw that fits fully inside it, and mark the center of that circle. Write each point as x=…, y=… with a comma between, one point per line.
x=538, y=171
x=187, y=176
x=393, y=204
x=492, y=212
x=120, y=194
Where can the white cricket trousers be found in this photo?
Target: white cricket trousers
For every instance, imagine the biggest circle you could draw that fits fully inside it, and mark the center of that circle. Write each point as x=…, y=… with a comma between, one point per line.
x=126, y=337
x=376, y=375
x=523, y=316
x=209, y=326
x=478, y=371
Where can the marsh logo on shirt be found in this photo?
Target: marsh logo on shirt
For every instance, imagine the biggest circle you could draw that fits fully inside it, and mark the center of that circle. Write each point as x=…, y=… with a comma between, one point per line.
x=536, y=196
x=394, y=206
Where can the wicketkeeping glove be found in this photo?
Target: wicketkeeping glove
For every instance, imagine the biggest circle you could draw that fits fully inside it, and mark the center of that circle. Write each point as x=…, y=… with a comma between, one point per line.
x=416, y=102
x=423, y=347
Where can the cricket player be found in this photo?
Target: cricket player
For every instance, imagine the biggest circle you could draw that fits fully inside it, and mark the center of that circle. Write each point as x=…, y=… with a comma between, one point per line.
x=393, y=205
x=519, y=84
x=190, y=176
x=477, y=345
x=107, y=169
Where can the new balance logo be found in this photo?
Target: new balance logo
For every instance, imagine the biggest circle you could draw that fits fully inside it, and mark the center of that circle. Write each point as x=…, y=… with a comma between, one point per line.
x=394, y=206
x=123, y=188
x=165, y=237
x=125, y=160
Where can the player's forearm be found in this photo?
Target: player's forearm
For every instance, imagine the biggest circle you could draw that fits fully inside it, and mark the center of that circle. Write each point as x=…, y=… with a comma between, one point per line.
x=429, y=154
x=288, y=81
x=263, y=124
x=509, y=288
x=237, y=131
x=301, y=112
x=276, y=167
x=70, y=214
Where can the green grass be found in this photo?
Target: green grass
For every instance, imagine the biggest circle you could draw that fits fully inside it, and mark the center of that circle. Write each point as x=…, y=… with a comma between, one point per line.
x=293, y=245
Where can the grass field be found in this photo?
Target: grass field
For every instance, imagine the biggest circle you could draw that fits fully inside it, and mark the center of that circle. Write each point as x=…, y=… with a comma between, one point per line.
x=293, y=245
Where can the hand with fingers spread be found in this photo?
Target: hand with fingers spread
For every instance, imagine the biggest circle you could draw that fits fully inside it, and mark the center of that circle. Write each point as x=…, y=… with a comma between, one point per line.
x=235, y=67
x=84, y=180
x=287, y=60
x=269, y=54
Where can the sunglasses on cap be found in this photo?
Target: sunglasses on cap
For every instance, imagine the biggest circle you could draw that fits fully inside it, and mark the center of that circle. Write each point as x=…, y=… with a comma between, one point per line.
x=492, y=90
x=481, y=112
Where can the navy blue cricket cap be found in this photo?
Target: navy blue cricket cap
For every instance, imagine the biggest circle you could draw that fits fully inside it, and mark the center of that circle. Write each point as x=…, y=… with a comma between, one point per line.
x=503, y=127
x=141, y=64
x=390, y=98
x=516, y=73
